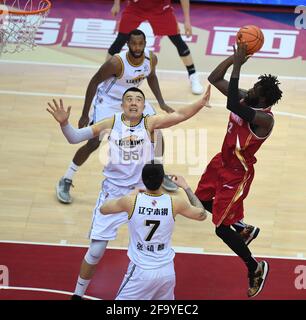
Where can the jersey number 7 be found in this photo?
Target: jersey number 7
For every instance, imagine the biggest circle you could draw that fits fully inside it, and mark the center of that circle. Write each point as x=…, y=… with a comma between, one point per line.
x=155, y=224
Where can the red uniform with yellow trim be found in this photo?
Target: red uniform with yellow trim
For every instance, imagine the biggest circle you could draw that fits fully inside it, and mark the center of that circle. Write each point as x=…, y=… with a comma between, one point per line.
x=228, y=176
x=159, y=13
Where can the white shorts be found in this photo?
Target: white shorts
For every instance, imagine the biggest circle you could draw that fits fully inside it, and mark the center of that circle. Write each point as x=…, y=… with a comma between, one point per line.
x=108, y=107
x=148, y=284
x=105, y=227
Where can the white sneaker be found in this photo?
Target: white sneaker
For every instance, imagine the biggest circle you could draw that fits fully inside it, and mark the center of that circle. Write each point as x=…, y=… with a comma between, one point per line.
x=196, y=87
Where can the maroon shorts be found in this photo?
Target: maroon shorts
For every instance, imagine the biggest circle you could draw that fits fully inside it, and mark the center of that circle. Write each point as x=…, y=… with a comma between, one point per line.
x=163, y=22
x=228, y=187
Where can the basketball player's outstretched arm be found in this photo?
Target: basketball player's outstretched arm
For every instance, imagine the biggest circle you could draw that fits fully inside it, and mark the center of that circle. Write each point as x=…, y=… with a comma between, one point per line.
x=72, y=134
x=154, y=86
x=180, y=115
x=106, y=71
x=193, y=210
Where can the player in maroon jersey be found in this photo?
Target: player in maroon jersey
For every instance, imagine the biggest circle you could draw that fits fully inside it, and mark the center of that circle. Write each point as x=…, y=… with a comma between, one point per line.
x=159, y=13
x=228, y=177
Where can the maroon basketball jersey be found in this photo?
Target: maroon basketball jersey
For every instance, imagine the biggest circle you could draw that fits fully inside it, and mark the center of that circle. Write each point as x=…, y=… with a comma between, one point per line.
x=240, y=143
x=154, y=5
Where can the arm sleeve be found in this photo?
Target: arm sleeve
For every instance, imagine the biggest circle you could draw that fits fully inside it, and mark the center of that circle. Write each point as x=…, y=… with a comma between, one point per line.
x=77, y=135
x=233, y=102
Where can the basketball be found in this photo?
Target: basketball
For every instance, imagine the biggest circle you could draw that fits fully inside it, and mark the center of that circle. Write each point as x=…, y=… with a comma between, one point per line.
x=252, y=36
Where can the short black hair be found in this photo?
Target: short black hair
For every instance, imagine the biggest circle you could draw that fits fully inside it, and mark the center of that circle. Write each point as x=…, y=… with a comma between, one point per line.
x=134, y=89
x=153, y=175
x=136, y=32
x=270, y=89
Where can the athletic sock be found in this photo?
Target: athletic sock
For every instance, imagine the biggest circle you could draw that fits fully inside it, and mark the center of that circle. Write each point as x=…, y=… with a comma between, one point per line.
x=191, y=69
x=72, y=169
x=159, y=160
x=81, y=286
x=239, y=226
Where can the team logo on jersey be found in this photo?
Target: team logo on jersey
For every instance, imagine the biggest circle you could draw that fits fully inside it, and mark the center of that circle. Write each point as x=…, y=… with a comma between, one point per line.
x=154, y=203
x=130, y=141
x=137, y=80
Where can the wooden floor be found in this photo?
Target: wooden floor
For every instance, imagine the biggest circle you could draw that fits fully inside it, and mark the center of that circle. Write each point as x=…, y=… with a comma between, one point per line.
x=34, y=155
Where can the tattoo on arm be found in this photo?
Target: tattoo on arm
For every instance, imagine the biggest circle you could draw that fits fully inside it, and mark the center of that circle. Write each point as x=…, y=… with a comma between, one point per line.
x=193, y=199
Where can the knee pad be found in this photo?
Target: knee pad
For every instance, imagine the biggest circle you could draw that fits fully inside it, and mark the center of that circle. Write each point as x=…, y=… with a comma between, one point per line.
x=95, y=251
x=181, y=46
x=118, y=44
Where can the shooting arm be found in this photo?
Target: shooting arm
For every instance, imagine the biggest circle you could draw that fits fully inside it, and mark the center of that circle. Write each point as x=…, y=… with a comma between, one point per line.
x=216, y=78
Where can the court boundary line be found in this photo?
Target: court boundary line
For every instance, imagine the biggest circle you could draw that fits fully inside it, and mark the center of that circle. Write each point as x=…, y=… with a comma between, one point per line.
x=187, y=250
x=97, y=66
x=70, y=96
x=45, y=290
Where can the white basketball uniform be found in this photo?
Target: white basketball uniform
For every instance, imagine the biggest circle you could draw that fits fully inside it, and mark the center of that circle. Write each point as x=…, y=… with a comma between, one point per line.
x=150, y=275
x=130, y=148
x=108, y=98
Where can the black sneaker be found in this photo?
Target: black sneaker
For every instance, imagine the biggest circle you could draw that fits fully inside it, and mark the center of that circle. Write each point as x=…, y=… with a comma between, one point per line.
x=76, y=297
x=249, y=233
x=62, y=190
x=257, y=280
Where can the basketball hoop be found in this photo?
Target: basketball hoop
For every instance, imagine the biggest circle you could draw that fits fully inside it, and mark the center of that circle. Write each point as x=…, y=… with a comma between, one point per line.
x=19, y=21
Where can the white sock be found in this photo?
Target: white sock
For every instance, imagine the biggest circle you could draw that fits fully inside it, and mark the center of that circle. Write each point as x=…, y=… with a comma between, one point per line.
x=81, y=286
x=158, y=159
x=73, y=168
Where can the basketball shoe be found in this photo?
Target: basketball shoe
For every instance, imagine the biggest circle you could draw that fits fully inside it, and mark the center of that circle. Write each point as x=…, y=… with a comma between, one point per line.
x=196, y=87
x=62, y=190
x=249, y=233
x=257, y=279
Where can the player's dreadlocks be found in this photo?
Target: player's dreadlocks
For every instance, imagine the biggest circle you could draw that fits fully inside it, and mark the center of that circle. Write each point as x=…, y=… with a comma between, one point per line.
x=270, y=89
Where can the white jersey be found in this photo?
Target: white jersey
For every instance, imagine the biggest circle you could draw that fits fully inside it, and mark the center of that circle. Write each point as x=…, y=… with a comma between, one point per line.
x=150, y=227
x=131, y=76
x=130, y=148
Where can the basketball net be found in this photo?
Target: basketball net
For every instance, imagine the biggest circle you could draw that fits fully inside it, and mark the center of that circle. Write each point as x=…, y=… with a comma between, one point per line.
x=19, y=21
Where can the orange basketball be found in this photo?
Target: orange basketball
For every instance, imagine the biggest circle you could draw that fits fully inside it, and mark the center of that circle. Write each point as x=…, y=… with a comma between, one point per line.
x=252, y=36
